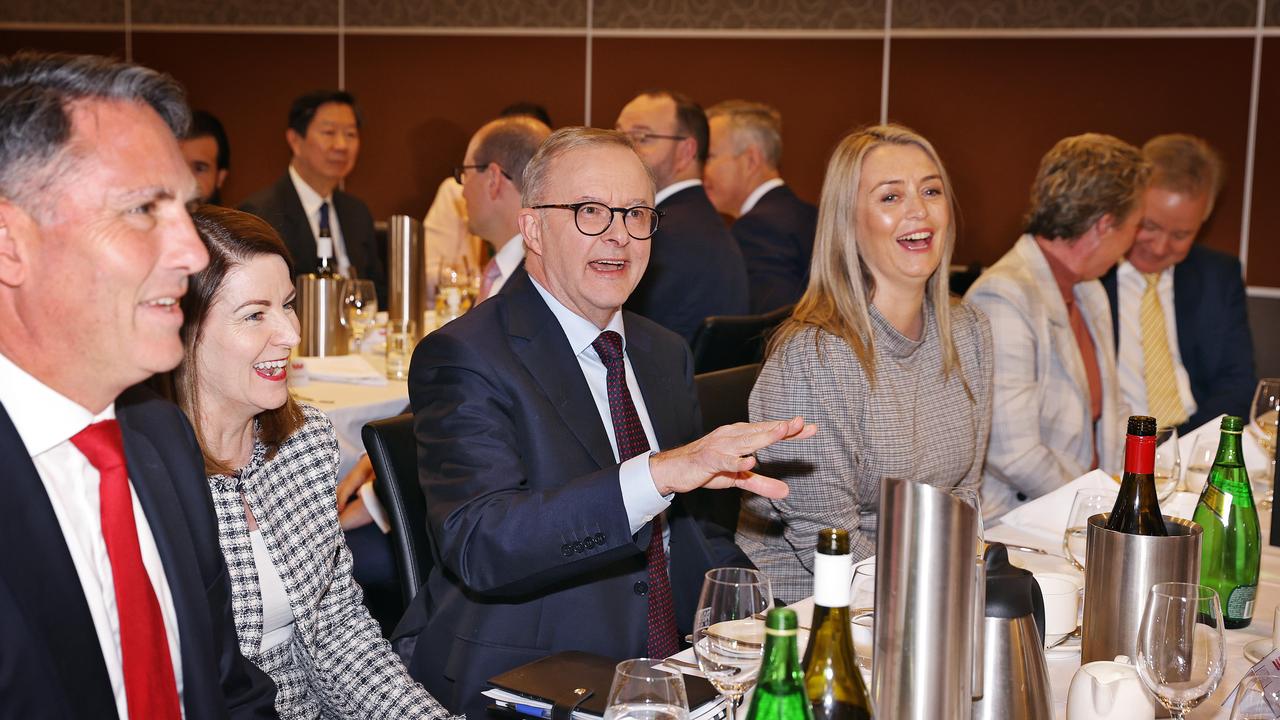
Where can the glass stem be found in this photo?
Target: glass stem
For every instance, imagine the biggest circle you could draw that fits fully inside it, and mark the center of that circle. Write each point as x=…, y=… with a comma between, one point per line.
x=735, y=702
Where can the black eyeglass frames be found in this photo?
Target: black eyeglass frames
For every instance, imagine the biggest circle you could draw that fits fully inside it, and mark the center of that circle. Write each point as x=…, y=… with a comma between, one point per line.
x=460, y=170
x=593, y=218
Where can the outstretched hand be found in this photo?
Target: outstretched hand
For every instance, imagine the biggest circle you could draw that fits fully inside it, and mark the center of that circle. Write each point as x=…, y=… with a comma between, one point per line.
x=725, y=458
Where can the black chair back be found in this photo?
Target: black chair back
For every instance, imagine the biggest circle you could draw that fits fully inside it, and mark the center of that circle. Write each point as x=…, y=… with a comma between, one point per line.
x=723, y=395
x=393, y=450
x=728, y=341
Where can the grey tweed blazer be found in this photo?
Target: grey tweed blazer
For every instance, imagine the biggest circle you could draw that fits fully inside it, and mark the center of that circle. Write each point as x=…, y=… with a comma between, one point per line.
x=337, y=665
x=912, y=423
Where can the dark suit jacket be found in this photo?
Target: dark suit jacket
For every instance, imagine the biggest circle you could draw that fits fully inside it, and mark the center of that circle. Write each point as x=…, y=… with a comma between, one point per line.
x=776, y=238
x=534, y=550
x=279, y=205
x=51, y=665
x=1210, y=309
x=695, y=267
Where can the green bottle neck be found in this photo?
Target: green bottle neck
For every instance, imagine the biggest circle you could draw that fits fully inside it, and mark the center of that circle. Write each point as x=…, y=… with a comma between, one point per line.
x=1229, y=452
x=781, y=657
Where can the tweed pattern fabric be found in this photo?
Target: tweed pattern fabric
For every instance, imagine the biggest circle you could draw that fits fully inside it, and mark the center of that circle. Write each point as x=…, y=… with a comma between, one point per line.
x=337, y=665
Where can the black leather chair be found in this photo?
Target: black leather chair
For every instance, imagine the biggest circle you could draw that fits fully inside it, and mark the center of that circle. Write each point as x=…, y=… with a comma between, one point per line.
x=960, y=280
x=722, y=395
x=393, y=450
x=728, y=341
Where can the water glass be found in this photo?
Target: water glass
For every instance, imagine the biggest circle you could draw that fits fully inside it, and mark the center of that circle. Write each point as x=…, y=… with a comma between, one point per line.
x=453, y=289
x=862, y=600
x=360, y=304
x=400, y=341
x=1181, y=654
x=1263, y=418
x=1086, y=504
x=1168, y=465
x=1200, y=462
x=1255, y=700
x=643, y=691
x=728, y=629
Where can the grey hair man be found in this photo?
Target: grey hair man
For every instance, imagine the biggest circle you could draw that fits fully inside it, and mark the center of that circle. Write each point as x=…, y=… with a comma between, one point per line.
x=117, y=591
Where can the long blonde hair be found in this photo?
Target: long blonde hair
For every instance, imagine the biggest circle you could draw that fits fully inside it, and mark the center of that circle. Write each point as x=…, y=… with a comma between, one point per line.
x=840, y=283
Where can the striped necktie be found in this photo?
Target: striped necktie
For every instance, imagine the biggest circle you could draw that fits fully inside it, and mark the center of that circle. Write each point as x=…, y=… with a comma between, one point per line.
x=1163, y=401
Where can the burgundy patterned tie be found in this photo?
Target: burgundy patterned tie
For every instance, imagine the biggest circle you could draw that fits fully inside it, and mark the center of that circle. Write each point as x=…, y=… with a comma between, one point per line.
x=663, y=636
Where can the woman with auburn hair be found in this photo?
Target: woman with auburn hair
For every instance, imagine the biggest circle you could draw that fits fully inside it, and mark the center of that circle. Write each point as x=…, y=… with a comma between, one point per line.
x=894, y=371
x=272, y=467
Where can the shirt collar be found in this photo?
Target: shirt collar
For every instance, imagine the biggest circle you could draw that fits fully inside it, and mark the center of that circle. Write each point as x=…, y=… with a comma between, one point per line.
x=580, y=331
x=311, y=200
x=509, y=257
x=1126, y=269
x=674, y=188
x=759, y=192
x=43, y=417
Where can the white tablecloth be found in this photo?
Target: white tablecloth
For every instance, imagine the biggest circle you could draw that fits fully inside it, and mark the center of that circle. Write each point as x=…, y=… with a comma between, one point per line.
x=351, y=406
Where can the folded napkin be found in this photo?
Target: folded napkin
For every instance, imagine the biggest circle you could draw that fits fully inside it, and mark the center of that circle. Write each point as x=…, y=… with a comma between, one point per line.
x=1255, y=458
x=350, y=369
x=1046, y=517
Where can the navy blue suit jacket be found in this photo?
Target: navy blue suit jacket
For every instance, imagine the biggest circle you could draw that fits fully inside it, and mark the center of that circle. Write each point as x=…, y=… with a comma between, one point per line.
x=1211, y=311
x=695, y=267
x=51, y=664
x=776, y=238
x=534, y=549
x=280, y=206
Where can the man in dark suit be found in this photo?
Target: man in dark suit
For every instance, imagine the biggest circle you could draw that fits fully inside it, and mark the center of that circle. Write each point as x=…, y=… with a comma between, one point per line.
x=1182, y=328
x=774, y=228
x=114, y=597
x=536, y=414
x=324, y=135
x=696, y=269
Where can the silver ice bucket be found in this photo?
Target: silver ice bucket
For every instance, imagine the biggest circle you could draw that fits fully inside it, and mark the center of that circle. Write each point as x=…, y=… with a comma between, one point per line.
x=320, y=314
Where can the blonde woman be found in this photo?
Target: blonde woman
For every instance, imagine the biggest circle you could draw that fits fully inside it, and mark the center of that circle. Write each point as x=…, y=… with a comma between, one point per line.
x=894, y=371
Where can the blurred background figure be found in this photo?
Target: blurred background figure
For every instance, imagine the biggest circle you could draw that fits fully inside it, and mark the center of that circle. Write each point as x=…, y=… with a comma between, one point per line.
x=208, y=152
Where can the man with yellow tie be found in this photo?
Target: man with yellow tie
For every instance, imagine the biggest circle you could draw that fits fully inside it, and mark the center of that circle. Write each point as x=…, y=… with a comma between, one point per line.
x=1185, y=354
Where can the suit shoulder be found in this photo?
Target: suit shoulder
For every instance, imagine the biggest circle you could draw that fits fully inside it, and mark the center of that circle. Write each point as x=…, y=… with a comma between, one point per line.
x=149, y=408
x=1213, y=260
x=660, y=337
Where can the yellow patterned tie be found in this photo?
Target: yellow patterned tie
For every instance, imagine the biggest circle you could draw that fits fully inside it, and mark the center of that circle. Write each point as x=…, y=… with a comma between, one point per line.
x=1163, y=401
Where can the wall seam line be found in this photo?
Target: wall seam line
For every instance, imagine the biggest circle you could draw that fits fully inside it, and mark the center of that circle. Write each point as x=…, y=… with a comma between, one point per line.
x=1246, y=203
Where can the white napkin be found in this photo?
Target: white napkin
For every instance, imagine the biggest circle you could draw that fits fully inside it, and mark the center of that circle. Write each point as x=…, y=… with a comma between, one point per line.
x=1255, y=459
x=350, y=369
x=1046, y=516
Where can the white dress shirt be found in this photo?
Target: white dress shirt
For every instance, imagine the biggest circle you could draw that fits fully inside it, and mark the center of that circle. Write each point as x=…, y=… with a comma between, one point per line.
x=46, y=421
x=1130, y=286
x=674, y=188
x=444, y=229
x=507, y=260
x=311, y=202
x=754, y=197
x=640, y=496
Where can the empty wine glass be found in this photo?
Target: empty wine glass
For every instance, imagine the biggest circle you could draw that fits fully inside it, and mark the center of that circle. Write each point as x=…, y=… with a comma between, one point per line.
x=1200, y=462
x=728, y=629
x=862, y=601
x=1256, y=701
x=1168, y=465
x=643, y=691
x=1181, y=654
x=1087, y=503
x=1263, y=419
x=453, y=289
x=360, y=303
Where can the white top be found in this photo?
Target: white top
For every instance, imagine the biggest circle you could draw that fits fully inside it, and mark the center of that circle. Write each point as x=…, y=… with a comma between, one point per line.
x=639, y=495
x=277, y=614
x=46, y=421
x=311, y=202
x=507, y=259
x=674, y=188
x=1130, y=286
x=444, y=229
x=758, y=193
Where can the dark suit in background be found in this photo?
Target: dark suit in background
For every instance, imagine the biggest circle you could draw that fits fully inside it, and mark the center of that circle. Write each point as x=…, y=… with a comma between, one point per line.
x=535, y=551
x=51, y=664
x=1210, y=309
x=776, y=238
x=695, y=267
x=280, y=206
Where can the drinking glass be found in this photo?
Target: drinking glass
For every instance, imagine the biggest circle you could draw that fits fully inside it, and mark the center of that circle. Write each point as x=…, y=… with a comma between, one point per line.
x=862, y=601
x=1087, y=503
x=1180, y=646
x=643, y=691
x=1168, y=466
x=1200, y=462
x=1256, y=701
x=360, y=303
x=728, y=629
x=1262, y=424
x=400, y=342
x=453, y=289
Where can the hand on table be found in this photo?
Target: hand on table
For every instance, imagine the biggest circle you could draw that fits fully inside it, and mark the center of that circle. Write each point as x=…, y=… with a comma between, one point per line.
x=724, y=458
x=351, y=510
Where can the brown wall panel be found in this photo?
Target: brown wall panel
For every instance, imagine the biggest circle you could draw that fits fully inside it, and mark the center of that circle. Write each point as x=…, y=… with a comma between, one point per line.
x=993, y=107
x=1264, y=241
x=98, y=43
x=823, y=88
x=423, y=97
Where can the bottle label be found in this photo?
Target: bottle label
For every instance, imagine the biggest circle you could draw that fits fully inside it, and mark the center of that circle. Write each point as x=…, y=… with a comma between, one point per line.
x=1240, y=602
x=832, y=579
x=1216, y=501
x=1140, y=454
x=324, y=247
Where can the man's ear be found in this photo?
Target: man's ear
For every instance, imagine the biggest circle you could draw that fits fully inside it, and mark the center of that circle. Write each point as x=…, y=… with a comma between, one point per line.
x=15, y=227
x=222, y=177
x=493, y=180
x=686, y=153
x=531, y=228
x=755, y=159
x=292, y=137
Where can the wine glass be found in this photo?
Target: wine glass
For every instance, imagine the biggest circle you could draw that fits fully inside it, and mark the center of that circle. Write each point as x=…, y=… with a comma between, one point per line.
x=1200, y=462
x=1168, y=465
x=1262, y=425
x=453, y=289
x=1181, y=654
x=1087, y=503
x=360, y=303
x=643, y=691
x=969, y=496
x=728, y=629
x=1255, y=701
x=862, y=601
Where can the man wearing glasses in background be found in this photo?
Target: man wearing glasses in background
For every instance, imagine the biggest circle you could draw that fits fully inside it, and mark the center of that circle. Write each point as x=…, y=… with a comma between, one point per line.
x=696, y=269
x=537, y=415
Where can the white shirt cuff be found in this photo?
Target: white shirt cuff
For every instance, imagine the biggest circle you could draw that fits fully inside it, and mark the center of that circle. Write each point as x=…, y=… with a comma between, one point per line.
x=639, y=495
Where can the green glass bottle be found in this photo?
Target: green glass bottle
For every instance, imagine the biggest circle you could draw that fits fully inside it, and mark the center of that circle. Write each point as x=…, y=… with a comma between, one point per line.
x=1137, y=509
x=1231, y=548
x=832, y=680
x=779, y=693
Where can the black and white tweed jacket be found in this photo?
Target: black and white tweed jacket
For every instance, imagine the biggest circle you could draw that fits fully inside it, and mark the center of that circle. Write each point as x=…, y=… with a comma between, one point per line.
x=337, y=665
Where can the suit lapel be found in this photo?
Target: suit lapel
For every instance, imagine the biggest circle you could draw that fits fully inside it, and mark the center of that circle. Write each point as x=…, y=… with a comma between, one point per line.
x=1186, y=293
x=39, y=573
x=1064, y=338
x=297, y=232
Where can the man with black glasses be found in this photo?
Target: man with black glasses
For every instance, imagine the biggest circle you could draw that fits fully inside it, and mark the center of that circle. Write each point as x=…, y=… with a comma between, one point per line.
x=537, y=415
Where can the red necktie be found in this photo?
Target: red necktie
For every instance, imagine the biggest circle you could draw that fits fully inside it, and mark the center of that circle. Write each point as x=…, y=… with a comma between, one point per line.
x=629, y=433
x=148, y=669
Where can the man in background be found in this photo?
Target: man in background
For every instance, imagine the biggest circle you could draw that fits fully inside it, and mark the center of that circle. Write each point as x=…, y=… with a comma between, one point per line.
x=773, y=227
x=1185, y=351
x=208, y=153
x=696, y=269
